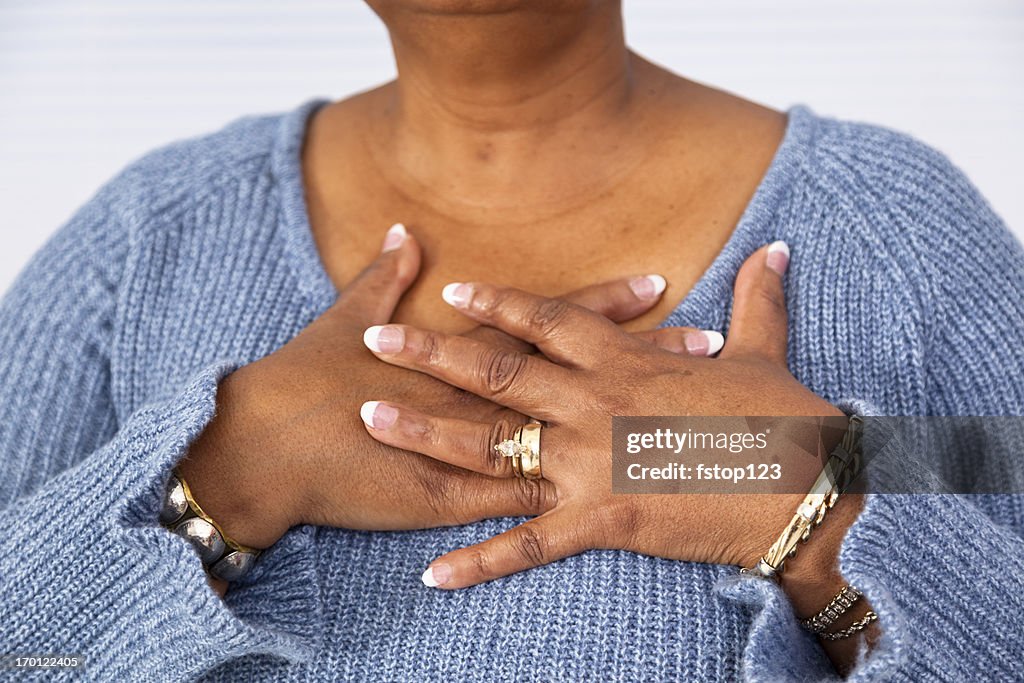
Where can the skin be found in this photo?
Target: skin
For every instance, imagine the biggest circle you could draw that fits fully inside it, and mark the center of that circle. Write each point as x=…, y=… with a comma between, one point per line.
x=524, y=145
x=269, y=460
x=531, y=148
x=589, y=359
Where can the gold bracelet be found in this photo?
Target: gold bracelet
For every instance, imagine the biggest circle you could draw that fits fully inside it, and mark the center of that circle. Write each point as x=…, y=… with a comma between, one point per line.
x=842, y=466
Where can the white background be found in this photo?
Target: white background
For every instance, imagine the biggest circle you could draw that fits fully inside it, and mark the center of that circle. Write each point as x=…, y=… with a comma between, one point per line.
x=88, y=86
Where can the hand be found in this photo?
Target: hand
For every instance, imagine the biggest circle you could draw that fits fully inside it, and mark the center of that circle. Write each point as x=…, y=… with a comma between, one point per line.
x=591, y=372
x=286, y=446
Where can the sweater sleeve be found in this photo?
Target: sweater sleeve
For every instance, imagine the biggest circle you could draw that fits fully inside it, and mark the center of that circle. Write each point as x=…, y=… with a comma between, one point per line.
x=84, y=567
x=944, y=572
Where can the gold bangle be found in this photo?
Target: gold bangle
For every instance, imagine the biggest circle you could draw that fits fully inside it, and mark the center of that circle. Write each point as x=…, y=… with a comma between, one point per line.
x=842, y=466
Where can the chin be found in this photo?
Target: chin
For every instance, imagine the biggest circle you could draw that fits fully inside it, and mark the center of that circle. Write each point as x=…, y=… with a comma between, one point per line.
x=482, y=7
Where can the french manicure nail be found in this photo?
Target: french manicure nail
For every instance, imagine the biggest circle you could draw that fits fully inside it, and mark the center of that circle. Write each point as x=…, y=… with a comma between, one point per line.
x=393, y=240
x=648, y=287
x=703, y=342
x=437, y=575
x=378, y=415
x=457, y=294
x=384, y=338
x=715, y=341
x=778, y=257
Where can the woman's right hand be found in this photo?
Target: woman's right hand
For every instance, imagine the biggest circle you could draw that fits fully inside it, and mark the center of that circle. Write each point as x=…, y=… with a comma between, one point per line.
x=287, y=446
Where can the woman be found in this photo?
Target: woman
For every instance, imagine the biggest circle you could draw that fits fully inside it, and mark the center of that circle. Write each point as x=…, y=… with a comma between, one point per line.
x=524, y=146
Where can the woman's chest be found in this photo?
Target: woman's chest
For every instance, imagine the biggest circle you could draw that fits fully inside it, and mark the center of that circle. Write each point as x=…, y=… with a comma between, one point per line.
x=650, y=225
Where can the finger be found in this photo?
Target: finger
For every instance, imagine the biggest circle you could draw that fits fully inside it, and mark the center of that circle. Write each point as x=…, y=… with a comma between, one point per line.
x=493, y=337
x=476, y=498
x=374, y=294
x=463, y=443
x=566, y=333
x=758, y=325
x=515, y=380
x=429, y=493
x=684, y=340
x=548, y=538
x=620, y=300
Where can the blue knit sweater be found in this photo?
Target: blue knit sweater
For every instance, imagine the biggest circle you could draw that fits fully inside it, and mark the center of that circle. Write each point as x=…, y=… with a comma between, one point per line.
x=905, y=295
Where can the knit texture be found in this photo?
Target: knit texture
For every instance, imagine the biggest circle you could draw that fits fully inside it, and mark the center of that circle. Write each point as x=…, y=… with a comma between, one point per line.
x=904, y=294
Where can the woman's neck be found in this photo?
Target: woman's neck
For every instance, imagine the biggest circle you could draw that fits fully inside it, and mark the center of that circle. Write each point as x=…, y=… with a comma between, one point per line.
x=507, y=107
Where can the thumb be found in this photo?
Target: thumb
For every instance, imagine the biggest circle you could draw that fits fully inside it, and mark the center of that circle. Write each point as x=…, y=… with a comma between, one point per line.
x=759, y=325
x=687, y=341
x=373, y=296
x=620, y=300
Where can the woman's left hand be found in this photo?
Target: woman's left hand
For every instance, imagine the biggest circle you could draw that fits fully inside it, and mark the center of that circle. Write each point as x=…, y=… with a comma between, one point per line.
x=590, y=371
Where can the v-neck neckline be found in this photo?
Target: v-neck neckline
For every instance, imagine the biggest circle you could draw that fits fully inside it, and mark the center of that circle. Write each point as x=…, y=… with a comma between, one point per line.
x=711, y=289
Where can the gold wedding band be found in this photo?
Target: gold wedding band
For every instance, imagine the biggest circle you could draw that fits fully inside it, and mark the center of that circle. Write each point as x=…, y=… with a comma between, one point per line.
x=529, y=436
x=523, y=449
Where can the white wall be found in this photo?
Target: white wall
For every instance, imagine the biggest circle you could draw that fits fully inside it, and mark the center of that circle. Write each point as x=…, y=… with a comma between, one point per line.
x=86, y=87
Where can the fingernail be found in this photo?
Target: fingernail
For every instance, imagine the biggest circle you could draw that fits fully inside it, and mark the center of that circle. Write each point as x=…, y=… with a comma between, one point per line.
x=648, y=287
x=703, y=343
x=384, y=338
x=715, y=341
x=393, y=240
x=437, y=575
x=457, y=294
x=778, y=257
x=378, y=415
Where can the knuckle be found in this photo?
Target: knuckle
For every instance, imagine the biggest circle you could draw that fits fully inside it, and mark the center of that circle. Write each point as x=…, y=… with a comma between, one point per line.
x=481, y=564
x=546, y=316
x=386, y=266
x=426, y=432
x=531, y=494
x=487, y=300
x=501, y=369
x=429, y=352
x=378, y=278
x=529, y=543
x=771, y=297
